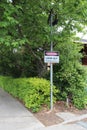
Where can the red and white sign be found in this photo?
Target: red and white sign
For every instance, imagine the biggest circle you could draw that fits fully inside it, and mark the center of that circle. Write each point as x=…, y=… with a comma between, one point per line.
x=51, y=57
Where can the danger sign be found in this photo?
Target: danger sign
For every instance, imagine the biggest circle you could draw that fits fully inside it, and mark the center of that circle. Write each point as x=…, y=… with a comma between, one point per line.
x=51, y=57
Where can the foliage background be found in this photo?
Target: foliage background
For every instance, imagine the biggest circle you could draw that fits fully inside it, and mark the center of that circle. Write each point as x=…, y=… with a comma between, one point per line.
x=25, y=35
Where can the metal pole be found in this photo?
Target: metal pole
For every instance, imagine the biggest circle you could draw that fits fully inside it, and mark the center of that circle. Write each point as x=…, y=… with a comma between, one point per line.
x=51, y=86
x=51, y=67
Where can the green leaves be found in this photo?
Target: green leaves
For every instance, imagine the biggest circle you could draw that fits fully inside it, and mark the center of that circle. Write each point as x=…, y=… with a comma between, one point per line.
x=69, y=74
x=29, y=18
x=34, y=92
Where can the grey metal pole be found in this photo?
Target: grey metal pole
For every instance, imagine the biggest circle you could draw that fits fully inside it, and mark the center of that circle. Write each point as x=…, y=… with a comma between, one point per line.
x=51, y=67
x=51, y=85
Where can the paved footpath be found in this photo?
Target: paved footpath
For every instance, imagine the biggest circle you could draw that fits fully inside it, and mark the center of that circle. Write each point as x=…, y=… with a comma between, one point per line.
x=64, y=127
x=14, y=116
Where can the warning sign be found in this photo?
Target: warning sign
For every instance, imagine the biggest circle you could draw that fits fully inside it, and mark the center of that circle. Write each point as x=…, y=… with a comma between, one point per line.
x=51, y=57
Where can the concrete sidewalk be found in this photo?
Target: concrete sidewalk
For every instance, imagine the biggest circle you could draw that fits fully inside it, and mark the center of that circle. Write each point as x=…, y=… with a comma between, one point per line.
x=64, y=127
x=14, y=116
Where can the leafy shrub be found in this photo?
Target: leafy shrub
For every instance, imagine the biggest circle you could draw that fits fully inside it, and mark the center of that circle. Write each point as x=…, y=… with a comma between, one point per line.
x=34, y=92
x=73, y=86
x=39, y=93
x=79, y=94
x=79, y=99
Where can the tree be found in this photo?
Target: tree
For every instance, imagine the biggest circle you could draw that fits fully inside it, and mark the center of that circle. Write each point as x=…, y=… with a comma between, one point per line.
x=24, y=23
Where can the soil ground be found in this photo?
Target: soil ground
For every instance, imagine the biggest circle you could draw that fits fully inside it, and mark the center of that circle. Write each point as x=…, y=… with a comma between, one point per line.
x=49, y=118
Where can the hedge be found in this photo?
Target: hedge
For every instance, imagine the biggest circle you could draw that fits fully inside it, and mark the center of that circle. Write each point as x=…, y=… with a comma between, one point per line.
x=34, y=92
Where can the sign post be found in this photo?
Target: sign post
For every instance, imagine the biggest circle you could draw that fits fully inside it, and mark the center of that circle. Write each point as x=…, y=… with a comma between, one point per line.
x=51, y=57
x=51, y=66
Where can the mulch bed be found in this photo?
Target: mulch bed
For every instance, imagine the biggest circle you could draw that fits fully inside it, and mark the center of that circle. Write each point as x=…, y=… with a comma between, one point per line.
x=49, y=118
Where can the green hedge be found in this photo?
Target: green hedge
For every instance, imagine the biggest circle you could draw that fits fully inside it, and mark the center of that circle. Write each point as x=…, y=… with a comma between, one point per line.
x=34, y=92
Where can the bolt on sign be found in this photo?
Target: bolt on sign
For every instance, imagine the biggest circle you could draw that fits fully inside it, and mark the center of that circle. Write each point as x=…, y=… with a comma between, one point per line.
x=51, y=57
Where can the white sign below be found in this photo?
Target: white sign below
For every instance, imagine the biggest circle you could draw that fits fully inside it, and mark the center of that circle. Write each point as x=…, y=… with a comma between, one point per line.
x=51, y=57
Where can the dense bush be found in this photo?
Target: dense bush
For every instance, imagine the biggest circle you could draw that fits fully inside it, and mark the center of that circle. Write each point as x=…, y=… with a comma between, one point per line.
x=72, y=85
x=79, y=95
x=34, y=92
x=17, y=62
x=70, y=75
